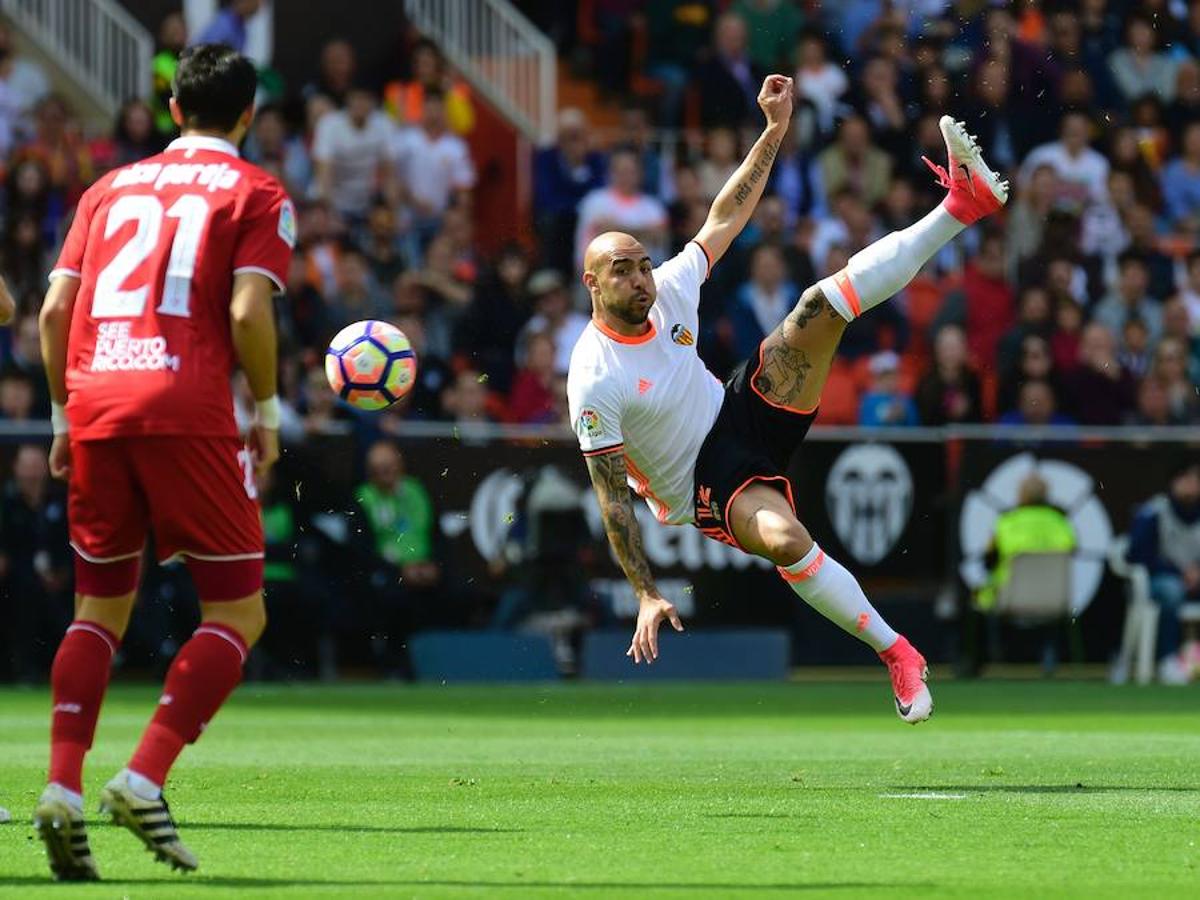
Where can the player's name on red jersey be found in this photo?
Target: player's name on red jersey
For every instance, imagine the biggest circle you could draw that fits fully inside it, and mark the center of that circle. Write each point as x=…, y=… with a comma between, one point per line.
x=156, y=246
x=210, y=176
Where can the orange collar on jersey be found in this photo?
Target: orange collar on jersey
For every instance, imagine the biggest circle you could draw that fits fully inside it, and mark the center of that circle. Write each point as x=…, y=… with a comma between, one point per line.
x=203, y=142
x=624, y=338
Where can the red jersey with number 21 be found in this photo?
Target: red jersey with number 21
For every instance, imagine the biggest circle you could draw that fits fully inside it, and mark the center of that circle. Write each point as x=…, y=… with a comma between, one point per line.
x=156, y=245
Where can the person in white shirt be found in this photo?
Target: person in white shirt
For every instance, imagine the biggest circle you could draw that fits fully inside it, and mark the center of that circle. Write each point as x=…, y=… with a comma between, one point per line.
x=621, y=206
x=352, y=149
x=435, y=166
x=1082, y=172
x=650, y=416
x=552, y=314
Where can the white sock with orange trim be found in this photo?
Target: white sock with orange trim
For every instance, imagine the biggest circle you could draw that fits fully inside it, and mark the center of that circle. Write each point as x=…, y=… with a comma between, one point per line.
x=825, y=585
x=881, y=270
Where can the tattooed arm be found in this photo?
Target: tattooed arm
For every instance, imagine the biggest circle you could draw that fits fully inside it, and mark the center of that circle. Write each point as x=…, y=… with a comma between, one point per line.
x=735, y=204
x=625, y=535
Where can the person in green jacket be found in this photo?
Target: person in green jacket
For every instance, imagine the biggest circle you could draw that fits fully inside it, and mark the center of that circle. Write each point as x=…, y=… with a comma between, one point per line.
x=172, y=38
x=1032, y=526
x=401, y=572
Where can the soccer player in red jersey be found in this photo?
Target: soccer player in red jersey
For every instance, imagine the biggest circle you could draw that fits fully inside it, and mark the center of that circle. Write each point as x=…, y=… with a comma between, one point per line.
x=163, y=286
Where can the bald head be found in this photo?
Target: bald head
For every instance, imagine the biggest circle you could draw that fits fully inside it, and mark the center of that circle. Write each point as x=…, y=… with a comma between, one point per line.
x=609, y=247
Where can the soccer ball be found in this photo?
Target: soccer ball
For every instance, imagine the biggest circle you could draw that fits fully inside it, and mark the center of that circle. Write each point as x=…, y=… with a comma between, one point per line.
x=370, y=364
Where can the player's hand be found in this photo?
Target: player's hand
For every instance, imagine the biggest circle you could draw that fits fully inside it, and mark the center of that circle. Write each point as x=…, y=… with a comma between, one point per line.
x=264, y=447
x=645, y=635
x=775, y=99
x=60, y=457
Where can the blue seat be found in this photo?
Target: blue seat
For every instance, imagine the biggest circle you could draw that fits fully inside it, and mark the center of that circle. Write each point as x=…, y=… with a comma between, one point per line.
x=743, y=654
x=481, y=656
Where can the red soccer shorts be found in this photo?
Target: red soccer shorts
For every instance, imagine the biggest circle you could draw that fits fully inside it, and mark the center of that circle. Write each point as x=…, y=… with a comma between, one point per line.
x=197, y=494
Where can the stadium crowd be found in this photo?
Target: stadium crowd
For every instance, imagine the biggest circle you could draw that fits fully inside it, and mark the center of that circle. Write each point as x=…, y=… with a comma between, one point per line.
x=1081, y=304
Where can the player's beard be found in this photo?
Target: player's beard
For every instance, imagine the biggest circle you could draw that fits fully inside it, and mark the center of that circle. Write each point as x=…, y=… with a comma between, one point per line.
x=633, y=311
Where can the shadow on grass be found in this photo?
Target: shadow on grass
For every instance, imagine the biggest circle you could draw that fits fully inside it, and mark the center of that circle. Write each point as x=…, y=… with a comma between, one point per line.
x=725, y=887
x=1044, y=788
x=343, y=829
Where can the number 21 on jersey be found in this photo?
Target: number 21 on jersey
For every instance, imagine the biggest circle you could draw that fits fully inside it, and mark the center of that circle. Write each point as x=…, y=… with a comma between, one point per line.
x=112, y=299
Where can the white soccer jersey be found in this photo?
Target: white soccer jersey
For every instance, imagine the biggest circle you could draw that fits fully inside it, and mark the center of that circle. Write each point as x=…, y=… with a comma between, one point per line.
x=650, y=397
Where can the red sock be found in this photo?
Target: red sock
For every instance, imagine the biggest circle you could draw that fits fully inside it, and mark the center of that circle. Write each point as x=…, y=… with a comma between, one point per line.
x=78, y=680
x=204, y=673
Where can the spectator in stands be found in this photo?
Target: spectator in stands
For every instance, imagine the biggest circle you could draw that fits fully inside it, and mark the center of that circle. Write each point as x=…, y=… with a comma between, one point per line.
x=285, y=156
x=1082, y=172
x=1178, y=325
x=1130, y=299
x=172, y=39
x=1165, y=538
x=773, y=26
x=338, y=69
x=17, y=396
x=676, y=32
x=637, y=134
x=997, y=123
x=1144, y=241
x=554, y=316
x=1100, y=391
x=1034, y=363
x=487, y=333
x=398, y=522
x=729, y=81
x=352, y=151
x=563, y=174
x=622, y=207
x=1035, y=316
x=25, y=262
x=1127, y=152
x=988, y=296
x=762, y=302
x=405, y=100
x=949, y=393
x=381, y=244
x=1153, y=405
x=468, y=405
x=356, y=294
x=1134, y=353
x=1181, y=183
x=435, y=167
x=817, y=79
x=424, y=401
x=1186, y=106
x=532, y=400
x=1170, y=368
x=228, y=26
x=1137, y=66
x=26, y=355
x=880, y=103
x=1036, y=405
x=852, y=161
x=721, y=159
x=884, y=403
x=35, y=563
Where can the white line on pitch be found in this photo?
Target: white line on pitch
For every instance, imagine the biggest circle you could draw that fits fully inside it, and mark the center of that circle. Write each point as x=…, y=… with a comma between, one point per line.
x=930, y=795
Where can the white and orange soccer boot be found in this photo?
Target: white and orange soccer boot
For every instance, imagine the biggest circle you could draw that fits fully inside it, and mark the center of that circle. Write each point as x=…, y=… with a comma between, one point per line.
x=975, y=190
x=907, y=667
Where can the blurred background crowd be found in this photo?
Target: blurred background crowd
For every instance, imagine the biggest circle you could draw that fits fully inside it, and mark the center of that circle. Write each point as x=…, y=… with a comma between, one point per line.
x=1080, y=304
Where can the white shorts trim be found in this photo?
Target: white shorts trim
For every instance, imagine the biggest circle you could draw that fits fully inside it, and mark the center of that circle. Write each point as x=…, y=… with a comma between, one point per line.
x=87, y=557
x=259, y=270
x=204, y=557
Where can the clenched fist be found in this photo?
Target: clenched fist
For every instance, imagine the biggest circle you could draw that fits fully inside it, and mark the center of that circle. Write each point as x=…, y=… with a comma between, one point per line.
x=775, y=99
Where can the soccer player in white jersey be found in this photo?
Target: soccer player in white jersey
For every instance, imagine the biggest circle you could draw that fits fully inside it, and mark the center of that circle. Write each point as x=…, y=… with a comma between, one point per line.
x=649, y=415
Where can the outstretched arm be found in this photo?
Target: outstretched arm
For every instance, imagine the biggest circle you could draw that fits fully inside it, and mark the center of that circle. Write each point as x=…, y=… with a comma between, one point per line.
x=734, y=205
x=608, y=472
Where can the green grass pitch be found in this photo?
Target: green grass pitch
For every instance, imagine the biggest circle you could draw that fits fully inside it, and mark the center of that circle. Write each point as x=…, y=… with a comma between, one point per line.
x=733, y=790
